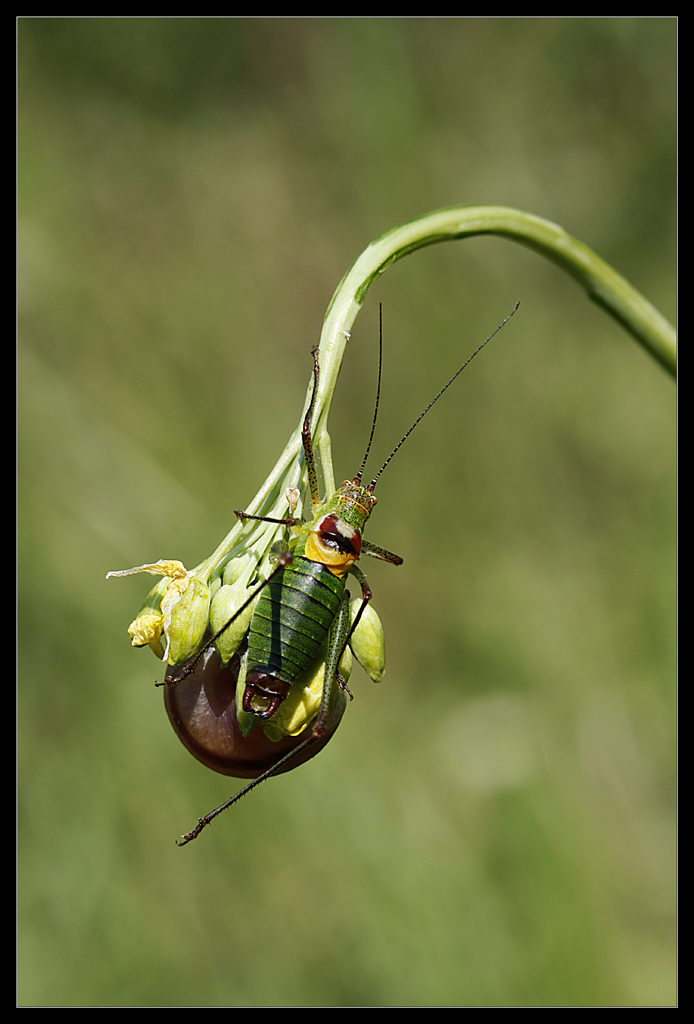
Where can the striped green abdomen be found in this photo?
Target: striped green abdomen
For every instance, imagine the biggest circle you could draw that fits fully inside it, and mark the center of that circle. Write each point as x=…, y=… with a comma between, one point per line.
x=292, y=619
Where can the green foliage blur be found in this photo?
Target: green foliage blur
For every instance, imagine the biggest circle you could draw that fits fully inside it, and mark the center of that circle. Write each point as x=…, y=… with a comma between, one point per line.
x=493, y=825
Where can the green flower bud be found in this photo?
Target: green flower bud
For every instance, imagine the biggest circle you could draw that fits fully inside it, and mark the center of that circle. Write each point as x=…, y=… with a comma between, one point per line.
x=226, y=603
x=235, y=568
x=367, y=641
x=188, y=622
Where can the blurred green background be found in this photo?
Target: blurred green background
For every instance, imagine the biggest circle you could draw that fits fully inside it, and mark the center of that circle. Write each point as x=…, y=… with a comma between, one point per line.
x=494, y=824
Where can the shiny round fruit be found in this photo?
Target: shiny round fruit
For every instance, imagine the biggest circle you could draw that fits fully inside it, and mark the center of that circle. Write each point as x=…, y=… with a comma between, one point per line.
x=202, y=709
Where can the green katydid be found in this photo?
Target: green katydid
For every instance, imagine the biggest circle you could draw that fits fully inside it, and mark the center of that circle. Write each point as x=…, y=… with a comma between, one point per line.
x=300, y=615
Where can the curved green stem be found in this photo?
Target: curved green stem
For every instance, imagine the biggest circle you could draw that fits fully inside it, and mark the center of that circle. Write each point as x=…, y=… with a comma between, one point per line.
x=602, y=283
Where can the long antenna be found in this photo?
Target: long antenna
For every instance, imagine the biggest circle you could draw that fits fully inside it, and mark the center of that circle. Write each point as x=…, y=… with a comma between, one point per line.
x=378, y=391
x=434, y=400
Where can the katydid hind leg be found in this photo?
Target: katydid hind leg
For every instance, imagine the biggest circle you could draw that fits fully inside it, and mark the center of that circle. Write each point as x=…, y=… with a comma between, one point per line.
x=205, y=821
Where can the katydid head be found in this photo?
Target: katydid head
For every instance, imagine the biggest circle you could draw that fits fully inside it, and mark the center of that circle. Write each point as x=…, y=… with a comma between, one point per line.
x=333, y=542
